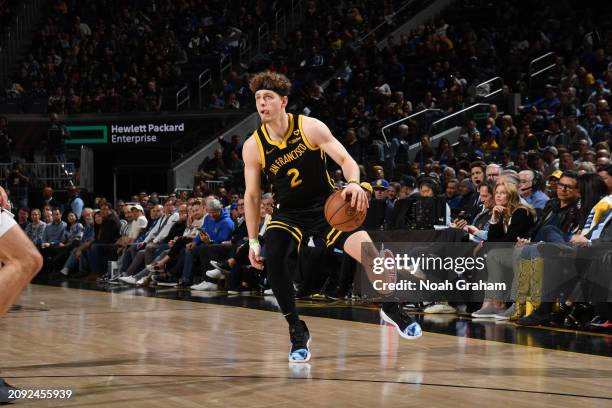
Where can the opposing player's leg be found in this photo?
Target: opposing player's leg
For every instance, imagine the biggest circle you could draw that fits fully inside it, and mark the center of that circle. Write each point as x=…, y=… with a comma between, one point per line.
x=281, y=241
x=20, y=261
x=359, y=245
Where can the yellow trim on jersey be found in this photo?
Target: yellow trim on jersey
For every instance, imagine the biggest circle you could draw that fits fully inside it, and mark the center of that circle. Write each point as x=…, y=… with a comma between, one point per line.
x=262, y=155
x=329, y=179
x=304, y=138
x=331, y=242
x=283, y=143
x=298, y=239
x=330, y=234
x=297, y=230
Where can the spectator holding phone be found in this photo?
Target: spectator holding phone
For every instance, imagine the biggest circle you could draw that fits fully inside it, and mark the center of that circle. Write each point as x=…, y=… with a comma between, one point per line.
x=479, y=227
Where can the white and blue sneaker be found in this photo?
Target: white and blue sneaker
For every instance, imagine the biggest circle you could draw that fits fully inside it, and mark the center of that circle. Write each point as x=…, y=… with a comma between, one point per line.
x=300, y=341
x=406, y=326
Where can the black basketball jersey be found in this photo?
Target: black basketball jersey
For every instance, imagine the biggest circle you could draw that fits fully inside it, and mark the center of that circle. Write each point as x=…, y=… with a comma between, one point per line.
x=296, y=169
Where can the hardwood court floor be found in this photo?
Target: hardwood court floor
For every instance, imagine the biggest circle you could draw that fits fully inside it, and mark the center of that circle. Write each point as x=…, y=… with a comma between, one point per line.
x=121, y=350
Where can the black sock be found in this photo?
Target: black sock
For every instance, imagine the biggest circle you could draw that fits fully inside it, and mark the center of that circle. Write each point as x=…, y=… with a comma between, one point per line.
x=292, y=318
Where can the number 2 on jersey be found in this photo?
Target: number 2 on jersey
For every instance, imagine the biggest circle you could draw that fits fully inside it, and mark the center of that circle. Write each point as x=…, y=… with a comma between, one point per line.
x=295, y=174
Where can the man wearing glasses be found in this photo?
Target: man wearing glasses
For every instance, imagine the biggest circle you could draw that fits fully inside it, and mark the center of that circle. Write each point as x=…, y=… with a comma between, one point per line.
x=560, y=217
x=567, y=191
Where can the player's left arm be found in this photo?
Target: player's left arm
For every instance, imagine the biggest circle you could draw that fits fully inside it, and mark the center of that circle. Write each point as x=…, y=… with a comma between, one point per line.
x=319, y=135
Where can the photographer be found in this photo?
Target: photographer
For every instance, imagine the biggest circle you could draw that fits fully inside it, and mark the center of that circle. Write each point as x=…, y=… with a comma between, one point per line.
x=428, y=187
x=18, y=183
x=56, y=139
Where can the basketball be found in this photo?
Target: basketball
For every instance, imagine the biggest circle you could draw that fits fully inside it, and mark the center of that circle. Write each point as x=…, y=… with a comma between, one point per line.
x=340, y=215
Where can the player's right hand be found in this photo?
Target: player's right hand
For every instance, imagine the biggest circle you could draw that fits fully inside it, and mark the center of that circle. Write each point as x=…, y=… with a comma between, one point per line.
x=358, y=196
x=255, y=259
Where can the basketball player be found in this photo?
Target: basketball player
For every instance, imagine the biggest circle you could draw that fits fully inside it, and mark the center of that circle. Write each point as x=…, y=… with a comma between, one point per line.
x=20, y=261
x=291, y=150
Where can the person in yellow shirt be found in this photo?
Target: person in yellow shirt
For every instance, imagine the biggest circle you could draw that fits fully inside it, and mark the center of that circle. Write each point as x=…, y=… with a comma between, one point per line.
x=490, y=144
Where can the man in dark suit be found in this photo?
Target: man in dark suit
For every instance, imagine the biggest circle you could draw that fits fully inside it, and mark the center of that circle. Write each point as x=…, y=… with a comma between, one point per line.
x=102, y=249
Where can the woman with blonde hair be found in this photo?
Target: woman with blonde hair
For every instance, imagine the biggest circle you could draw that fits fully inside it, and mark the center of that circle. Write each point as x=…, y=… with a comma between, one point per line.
x=510, y=221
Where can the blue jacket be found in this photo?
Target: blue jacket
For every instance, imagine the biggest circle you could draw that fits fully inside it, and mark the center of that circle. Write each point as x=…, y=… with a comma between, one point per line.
x=219, y=230
x=89, y=232
x=54, y=233
x=538, y=199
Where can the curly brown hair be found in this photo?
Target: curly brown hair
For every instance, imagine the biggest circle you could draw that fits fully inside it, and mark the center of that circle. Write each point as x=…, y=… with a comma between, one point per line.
x=273, y=81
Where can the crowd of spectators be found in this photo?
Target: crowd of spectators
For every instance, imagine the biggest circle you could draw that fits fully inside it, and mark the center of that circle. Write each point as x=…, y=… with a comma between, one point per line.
x=437, y=65
x=542, y=175
x=118, y=56
x=109, y=56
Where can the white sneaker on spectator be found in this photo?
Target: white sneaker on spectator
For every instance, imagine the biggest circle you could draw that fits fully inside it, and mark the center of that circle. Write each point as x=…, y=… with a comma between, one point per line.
x=505, y=314
x=128, y=279
x=214, y=274
x=487, y=312
x=440, y=308
x=268, y=292
x=205, y=286
x=222, y=266
x=144, y=281
x=64, y=271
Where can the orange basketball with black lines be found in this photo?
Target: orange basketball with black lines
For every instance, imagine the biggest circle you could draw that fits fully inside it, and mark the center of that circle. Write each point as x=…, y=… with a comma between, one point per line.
x=340, y=215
